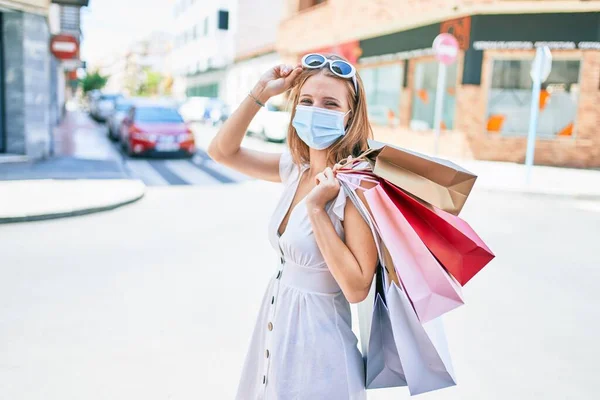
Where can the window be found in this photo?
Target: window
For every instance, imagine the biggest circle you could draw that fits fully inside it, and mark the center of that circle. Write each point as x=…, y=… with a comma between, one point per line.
x=210, y=90
x=206, y=26
x=382, y=87
x=424, y=94
x=223, y=20
x=509, y=98
x=157, y=114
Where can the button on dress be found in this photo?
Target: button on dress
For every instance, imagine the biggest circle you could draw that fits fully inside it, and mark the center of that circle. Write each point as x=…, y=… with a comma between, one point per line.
x=302, y=346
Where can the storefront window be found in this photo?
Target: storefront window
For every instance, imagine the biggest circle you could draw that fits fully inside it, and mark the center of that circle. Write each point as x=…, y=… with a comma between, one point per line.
x=382, y=87
x=509, y=99
x=424, y=92
x=210, y=90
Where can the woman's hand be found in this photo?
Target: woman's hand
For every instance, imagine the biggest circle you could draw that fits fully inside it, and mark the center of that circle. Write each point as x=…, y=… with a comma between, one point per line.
x=276, y=81
x=327, y=188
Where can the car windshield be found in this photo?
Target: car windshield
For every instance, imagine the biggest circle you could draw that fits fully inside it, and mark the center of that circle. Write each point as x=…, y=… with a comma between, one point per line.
x=124, y=107
x=157, y=114
x=109, y=97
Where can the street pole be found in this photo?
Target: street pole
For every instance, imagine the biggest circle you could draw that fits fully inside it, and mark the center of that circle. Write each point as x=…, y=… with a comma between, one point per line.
x=535, y=110
x=439, y=103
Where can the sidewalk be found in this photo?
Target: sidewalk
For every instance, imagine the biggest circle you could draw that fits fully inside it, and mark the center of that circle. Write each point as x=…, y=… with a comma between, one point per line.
x=85, y=175
x=34, y=200
x=549, y=181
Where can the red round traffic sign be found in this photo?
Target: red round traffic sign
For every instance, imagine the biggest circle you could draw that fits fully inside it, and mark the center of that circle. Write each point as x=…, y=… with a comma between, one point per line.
x=64, y=47
x=445, y=47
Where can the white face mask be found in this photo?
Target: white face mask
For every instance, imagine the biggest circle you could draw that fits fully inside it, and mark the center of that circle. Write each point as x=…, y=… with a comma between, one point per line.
x=318, y=127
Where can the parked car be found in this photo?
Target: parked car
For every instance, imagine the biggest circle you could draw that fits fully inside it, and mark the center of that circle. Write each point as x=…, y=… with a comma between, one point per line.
x=92, y=98
x=204, y=109
x=272, y=122
x=122, y=107
x=156, y=128
x=193, y=109
x=102, y=108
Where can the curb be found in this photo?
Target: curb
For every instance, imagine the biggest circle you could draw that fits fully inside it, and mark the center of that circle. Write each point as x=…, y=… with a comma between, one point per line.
x=13, y=159
x=74, y=213
x=557, y=195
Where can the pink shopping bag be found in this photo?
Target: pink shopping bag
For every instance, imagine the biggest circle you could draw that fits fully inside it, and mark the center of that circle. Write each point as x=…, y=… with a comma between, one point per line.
x=432, y=291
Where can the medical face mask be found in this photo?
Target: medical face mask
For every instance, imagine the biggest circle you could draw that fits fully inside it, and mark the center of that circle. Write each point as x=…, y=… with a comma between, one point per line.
x=318, y=127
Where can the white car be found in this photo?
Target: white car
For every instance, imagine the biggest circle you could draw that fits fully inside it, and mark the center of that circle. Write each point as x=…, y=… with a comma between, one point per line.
x=114, y=122
x=104, y=106
x=194, y=109
x=272, y=122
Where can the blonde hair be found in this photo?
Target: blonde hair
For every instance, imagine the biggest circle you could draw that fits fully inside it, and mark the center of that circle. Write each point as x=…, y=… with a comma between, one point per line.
x=354, y=142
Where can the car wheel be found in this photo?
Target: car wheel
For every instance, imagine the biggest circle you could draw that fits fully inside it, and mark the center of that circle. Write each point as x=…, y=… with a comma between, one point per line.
x=129, y=151
x=271, y=139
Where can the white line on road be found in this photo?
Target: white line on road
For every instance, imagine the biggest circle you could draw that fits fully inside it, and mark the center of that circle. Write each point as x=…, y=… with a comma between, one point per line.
x=189, y=173
x=143, y=170
x=233, y=174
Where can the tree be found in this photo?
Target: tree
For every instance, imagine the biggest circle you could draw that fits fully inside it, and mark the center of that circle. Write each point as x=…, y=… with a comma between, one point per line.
x=151, y=84
x=93, y=81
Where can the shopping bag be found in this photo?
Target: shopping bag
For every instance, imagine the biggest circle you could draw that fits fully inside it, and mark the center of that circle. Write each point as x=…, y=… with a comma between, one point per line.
x=382, y=364
x=430, y=288
x=438, y=182
x=451, y=240
x=423, y=348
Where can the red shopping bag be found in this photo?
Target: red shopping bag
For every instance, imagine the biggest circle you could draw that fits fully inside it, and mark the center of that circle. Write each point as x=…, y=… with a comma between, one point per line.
x=451, y=240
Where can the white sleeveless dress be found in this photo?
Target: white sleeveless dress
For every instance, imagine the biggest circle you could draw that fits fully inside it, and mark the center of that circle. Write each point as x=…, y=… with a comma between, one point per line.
x=303, y=347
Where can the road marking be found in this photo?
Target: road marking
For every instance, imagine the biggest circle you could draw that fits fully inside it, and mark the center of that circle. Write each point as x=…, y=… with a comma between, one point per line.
x=166, y=173
x=143, y=170
x=226, y=175
x=190, y=173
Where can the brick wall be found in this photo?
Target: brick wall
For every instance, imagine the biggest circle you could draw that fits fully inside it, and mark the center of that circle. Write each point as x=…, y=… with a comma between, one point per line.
x=581, y=150
x=340, y=21
x=469, y=138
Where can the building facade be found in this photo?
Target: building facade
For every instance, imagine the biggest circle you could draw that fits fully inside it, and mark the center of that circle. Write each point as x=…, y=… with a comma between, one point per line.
x=488, y=90
x=203, y=46
x=254, y=43
x=30, y=77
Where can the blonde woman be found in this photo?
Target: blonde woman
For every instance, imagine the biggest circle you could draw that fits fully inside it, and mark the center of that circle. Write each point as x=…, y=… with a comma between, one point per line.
x=303, y=346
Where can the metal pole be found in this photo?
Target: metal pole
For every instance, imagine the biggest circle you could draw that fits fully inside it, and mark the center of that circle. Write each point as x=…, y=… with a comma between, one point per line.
x=535, y=111
x=439, y=103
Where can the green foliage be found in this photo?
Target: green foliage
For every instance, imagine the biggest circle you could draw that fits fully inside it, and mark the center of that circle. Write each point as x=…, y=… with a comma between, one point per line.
x=151, y=84
x=93, y=81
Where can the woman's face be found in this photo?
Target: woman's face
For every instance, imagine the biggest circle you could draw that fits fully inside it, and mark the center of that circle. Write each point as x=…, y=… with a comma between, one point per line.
x=326, y=92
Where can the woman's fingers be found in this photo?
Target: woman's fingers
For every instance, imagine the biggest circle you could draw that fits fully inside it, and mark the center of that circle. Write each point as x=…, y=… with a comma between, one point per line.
x=342, y=163
x=292, y=76
x=320, y=178
x=328, y=173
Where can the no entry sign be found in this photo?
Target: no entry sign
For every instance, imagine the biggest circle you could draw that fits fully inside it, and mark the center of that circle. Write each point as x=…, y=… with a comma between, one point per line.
x=64, y=47
x=445, y=47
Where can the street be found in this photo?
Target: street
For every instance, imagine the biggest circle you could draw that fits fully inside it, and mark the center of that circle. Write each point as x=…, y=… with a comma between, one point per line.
x=199, y=170
x=157, y=300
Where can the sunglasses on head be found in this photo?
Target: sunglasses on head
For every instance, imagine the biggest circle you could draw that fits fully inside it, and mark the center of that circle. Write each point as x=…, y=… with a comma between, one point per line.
x=340, y=68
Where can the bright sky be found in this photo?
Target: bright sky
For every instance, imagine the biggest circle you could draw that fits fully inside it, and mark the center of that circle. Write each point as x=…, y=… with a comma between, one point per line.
x=109, y=26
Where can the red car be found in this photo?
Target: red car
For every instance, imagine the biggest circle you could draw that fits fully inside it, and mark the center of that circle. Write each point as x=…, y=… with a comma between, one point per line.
x=154, y=129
